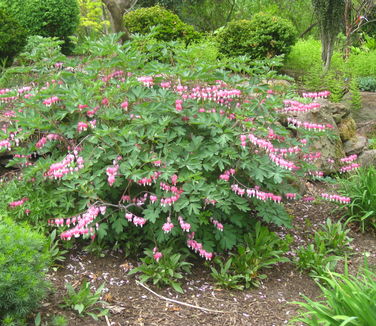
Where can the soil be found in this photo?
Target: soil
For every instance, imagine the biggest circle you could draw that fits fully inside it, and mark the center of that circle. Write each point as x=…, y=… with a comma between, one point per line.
x=269, y=305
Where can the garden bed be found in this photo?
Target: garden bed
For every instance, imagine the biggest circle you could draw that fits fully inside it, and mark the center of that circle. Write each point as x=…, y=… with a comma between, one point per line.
x=270, y=304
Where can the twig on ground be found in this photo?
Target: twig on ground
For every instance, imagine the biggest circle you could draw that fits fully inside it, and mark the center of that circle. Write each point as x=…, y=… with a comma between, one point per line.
x=107, y=321
x=179, y=302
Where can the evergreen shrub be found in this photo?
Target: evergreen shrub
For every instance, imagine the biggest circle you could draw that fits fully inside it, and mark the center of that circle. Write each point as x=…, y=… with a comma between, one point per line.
x=48, y=18
x=12, y=36
x=264, y=36
x=23, y=261
x=170, y=26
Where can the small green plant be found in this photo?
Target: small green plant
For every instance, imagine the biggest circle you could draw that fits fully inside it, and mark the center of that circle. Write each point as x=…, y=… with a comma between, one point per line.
x=224, y=277
x=163, y=271
x=24, y=261
x=57, y=254
x=349, y=300
x=261, y=249
x=367, y=84
x=334, y=236
x=316, y=259
x=59, y=321
x=361, y=187
x=84, y=301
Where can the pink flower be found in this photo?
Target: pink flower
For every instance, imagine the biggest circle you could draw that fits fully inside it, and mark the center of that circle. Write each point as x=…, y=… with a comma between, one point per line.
x=167, y=227
x=82, y=126
x=157, y=255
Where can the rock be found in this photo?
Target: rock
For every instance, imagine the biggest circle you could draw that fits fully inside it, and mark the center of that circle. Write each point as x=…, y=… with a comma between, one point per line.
x=368, y=158
x=367, y=129
x=347, y=129
x=330, y=147
x=355, y=145
x=337, y=111
x=368, y=111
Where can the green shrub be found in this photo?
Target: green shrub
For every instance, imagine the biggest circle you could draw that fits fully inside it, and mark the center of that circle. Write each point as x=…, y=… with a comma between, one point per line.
x=12, y=37
x=262, y=36
x=367, y=84
x=23, y=262
x=349, y=300
x=362, y=64
x=170, y=26
x=48, y=18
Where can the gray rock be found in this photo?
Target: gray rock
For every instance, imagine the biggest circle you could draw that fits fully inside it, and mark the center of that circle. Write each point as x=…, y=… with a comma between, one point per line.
x=355, y=145
x=330, y=147
x=368, y=158
x=368, y=110
x=338, y=111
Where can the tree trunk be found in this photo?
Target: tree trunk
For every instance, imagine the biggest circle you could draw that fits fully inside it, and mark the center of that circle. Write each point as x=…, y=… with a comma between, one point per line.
x=117, y=8
x=327, y=42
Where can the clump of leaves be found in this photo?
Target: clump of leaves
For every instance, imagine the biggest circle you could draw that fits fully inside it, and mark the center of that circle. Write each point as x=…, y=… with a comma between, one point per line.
x=361, y=187
x=261, y=249
x=316, y=259
x=348, y=300
x=165, y=271
x=334, y=236
x=84, y=301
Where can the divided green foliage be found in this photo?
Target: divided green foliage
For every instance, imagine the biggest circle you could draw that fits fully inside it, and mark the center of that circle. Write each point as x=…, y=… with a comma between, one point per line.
x=264, y=36
x=138, y=125
x=24, y=260
x=12, y=37
x=164, y=271
x=169, y=26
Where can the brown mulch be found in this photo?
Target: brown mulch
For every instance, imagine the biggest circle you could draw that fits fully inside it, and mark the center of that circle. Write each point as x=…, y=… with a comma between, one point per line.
x=268, y=305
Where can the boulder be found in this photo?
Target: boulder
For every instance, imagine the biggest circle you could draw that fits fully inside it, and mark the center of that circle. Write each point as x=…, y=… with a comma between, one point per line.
x=330, y=147
x=355, y=145
x=368, y=111
x=368, y=158
x=347, y=129
x=338, y=111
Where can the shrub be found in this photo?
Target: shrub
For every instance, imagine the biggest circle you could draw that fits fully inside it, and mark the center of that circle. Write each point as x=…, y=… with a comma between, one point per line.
x=12, y=37
x=367, y=84
x=23, y=263
x=48, y=18
x=263, y=36
x=170, y=27
x=349, y=300
x=122, y=144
